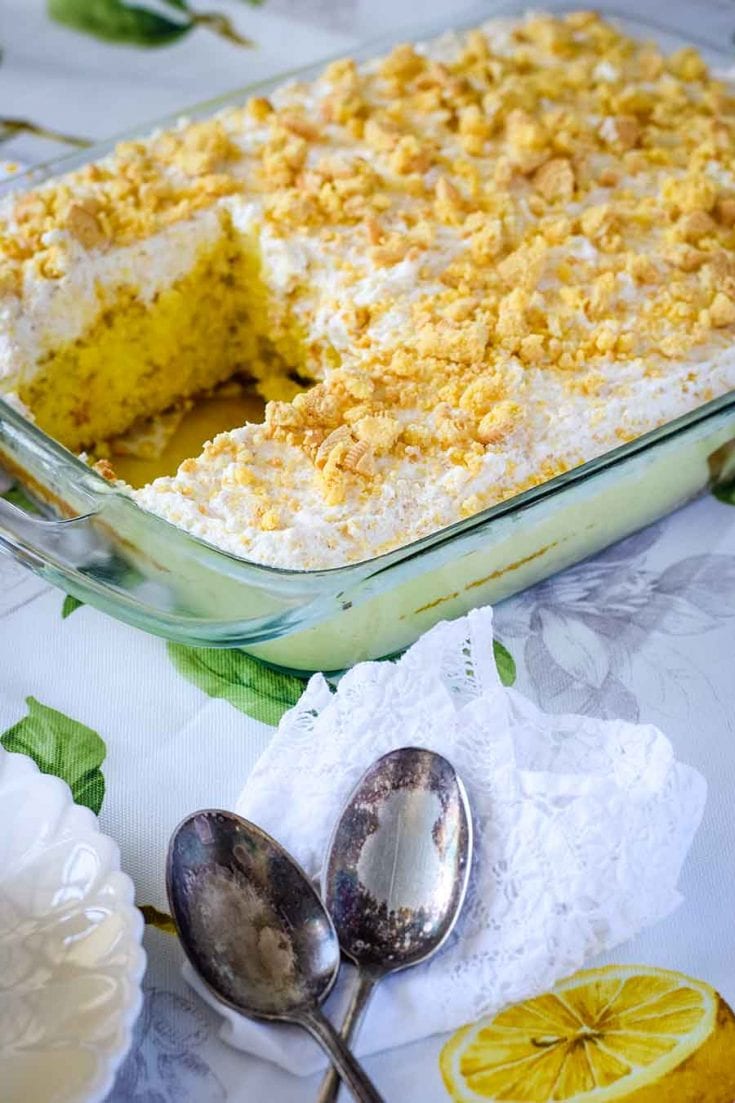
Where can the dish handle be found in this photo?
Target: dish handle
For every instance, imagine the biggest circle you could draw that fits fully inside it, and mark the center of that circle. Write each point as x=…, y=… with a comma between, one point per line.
x=68, y=544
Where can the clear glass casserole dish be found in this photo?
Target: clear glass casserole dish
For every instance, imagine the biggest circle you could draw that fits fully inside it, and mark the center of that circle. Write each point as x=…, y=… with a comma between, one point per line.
x=99, y=545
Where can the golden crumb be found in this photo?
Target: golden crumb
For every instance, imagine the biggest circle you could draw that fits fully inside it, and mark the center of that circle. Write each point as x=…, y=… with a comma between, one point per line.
x=380, y=431
x=259, y=108
x=691, y=193
x=360, y=458
x=104, y=468
x=722, y=310
x=300, y=125
x=687, y=64
x=403, y=62
x=725, y=211
x=622, y=132
x=82, y=222
x=554, y=180
x=198, y=149
x=448, y=202
x=498, y=423
x=270, y=520
x=334, y=446
x=694, y=225
x=10, y=278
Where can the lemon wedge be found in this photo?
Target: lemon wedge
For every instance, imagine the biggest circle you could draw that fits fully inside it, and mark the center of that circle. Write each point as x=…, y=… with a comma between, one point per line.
x=624, y=1032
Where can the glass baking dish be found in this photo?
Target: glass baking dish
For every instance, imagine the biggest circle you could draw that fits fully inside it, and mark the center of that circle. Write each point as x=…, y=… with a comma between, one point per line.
x=93, y=541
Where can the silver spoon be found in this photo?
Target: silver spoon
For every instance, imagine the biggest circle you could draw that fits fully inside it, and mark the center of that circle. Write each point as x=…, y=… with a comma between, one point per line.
x=396, y=872
x=254, y=928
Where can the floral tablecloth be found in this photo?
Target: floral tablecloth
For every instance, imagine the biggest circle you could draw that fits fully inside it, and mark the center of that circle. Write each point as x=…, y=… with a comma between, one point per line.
x=145, y=733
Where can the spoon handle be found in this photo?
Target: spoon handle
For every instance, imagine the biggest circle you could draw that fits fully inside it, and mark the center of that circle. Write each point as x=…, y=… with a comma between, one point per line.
x=349, y=1069
x=361, y=992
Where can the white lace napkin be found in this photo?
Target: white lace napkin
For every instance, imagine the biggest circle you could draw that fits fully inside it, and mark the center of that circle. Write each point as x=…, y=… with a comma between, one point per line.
x=581, y=828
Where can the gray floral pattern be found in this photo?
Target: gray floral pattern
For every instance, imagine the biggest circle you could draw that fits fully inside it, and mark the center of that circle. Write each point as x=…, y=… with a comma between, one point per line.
x=338, y=15
x=164, y=1064
x=18, y=586
x=580, y=630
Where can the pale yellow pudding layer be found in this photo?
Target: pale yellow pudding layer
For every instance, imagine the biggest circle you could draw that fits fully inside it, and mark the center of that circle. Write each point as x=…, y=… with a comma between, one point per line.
x=497, y=254
x=159, y=446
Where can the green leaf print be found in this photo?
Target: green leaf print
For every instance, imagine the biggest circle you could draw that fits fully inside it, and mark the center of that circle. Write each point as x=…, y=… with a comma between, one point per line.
x=722, y=473
x=221, y=25
x=18, y=497
x=70, y=604
x=11, y=125
x=115, y=21
x=61, y=746
x=505, y=663
x=156, y=918
x=251, y=687
x=134, y=25
x=259, y=691
x=215, y=21
x=725, y=493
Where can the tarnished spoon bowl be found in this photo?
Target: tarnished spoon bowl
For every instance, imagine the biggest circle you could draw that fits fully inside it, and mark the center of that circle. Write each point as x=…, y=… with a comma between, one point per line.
x=397, y=870
x=254, y=928
x=399, y=860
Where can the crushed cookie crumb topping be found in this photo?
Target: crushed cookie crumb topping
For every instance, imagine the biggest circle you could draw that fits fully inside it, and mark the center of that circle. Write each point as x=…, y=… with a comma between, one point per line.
x=554, y=199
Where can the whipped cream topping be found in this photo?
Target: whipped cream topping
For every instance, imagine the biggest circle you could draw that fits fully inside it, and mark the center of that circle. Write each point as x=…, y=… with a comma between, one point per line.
x=575, y=235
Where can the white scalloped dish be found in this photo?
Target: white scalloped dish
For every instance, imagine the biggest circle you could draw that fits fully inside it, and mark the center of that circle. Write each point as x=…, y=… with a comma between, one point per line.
x=71, y=960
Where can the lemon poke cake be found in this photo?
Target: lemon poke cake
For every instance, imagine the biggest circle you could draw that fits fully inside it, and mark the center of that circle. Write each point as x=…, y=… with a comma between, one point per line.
x=455, y=272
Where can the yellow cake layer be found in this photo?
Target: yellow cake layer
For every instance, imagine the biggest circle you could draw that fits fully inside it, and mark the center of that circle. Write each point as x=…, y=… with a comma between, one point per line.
x=138, y=358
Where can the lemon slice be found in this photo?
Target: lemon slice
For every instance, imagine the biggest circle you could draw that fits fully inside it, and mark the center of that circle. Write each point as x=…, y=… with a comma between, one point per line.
x=625, y=1032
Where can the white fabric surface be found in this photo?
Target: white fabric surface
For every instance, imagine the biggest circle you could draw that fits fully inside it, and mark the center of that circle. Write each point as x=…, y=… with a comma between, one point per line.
x=646, y=630
x=582, y=826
